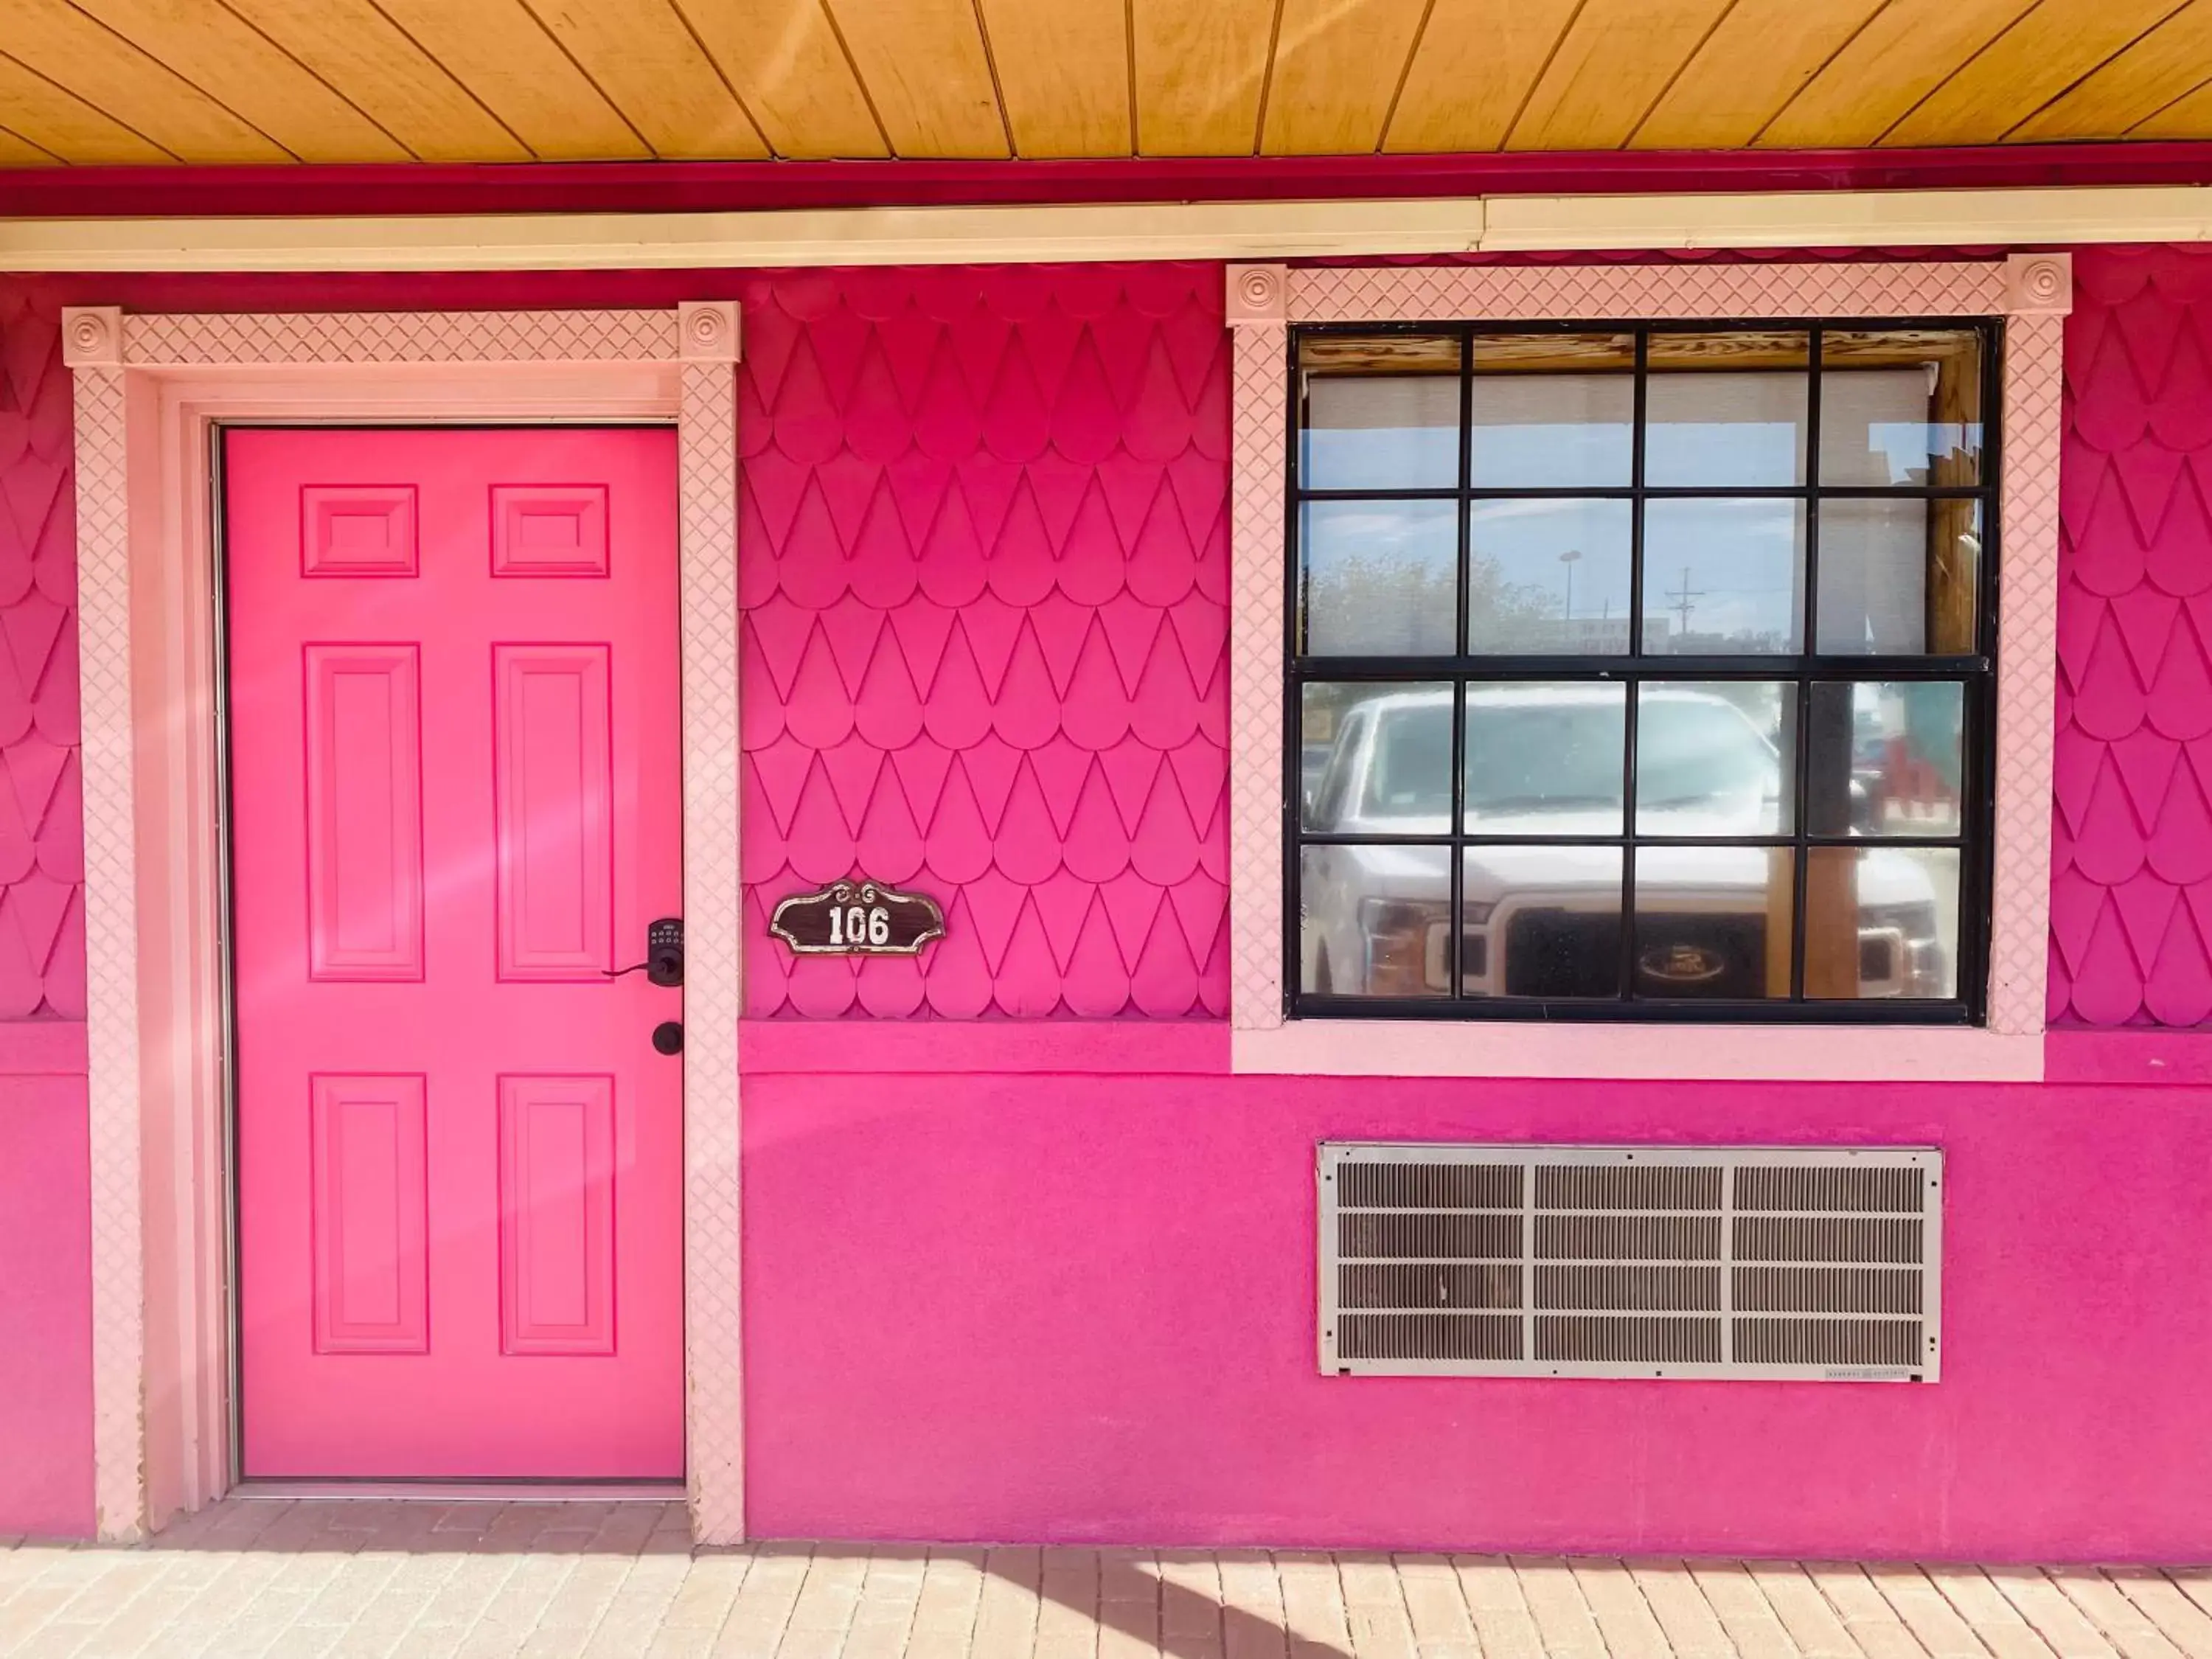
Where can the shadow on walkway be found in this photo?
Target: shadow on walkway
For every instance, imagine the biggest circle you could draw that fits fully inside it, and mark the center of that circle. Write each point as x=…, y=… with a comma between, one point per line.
x=1046, y=1600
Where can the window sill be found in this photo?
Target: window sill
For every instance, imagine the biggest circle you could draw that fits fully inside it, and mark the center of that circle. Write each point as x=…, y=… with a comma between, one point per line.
x=1368, y=1048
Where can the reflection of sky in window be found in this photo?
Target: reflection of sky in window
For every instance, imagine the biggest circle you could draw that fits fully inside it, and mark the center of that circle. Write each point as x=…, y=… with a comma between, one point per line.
x=1553, y=431
x=1561, y=456
x=1743, y=556
x=1569, y=430
x=1725, y=428
x=1380, y=458
x=1874, y=428
x=1525, y=539
x=1386, y=432
x=1739, y=560
x=1900, y=451
x=1731, y=452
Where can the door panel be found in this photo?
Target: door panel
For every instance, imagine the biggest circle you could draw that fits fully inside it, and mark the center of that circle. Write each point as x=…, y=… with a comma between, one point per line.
x=552, y=794
x=556, y=1214
x=364, y=811
x=453, y=707
x=370, y=1233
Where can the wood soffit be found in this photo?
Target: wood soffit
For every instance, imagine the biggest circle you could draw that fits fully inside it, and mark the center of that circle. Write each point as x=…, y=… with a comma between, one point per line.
x=249, y=83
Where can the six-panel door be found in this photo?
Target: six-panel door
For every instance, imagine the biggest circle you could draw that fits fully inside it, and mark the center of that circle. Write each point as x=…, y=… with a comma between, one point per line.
x=453, y=716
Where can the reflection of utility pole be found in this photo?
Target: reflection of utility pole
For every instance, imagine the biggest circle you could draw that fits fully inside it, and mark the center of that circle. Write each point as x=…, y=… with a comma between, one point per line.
x=1684, y=600
x=1570, y=558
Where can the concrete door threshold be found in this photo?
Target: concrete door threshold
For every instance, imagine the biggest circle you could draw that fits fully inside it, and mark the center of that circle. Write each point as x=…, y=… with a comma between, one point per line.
x=468, y=1491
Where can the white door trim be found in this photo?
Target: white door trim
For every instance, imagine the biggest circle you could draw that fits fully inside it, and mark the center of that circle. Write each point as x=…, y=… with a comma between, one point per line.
x=149, y=389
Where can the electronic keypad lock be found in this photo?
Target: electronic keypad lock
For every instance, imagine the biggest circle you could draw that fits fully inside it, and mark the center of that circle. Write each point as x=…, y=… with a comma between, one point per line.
x=663, y=950
x=664, y=953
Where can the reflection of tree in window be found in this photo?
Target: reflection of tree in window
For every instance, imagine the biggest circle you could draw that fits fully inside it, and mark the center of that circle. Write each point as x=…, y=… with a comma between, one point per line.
x=1387, y=592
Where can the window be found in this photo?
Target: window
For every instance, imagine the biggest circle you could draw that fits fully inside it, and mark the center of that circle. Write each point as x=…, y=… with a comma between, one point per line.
x=1641, y=670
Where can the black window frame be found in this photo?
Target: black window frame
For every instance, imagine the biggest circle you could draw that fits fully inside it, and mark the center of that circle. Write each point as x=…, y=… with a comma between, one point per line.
x=1977, y=673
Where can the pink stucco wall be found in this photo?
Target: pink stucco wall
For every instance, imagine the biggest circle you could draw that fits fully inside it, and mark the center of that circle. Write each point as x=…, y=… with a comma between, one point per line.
x=45, y=1320
x=977, y=1308
x=1001, y=1288
x=45, y=1307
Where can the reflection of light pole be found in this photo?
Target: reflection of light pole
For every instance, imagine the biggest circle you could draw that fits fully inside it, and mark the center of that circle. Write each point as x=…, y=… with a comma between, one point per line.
x=1685, y=598
x=1570, y=558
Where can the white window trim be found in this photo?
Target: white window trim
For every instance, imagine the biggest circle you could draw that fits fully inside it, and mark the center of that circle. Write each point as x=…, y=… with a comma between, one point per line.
x=2032, y=293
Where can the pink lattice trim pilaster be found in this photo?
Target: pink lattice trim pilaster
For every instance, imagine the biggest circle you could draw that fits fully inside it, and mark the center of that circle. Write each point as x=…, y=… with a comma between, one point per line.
x=91, y=341
x=712, y=903
x=2027, y=670
x=1255, y=648
x=2033, y=291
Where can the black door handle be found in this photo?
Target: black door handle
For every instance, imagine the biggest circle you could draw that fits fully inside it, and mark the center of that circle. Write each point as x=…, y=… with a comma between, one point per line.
x=664, y=954
x=668, y=1036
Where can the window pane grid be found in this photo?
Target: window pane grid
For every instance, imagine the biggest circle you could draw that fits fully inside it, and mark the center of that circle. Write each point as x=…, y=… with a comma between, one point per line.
x=1801, y=704
x=1638, y=463
x=1887, y=843
x=1626, y=671
x=1660, y=493
x=1456, y=866
x=1847, y=684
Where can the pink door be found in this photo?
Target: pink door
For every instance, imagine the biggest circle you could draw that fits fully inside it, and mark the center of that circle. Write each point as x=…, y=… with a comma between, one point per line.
x=455, y=794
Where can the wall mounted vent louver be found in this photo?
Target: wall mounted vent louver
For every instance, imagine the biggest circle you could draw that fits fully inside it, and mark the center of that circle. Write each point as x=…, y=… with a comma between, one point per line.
x=1697, y=1261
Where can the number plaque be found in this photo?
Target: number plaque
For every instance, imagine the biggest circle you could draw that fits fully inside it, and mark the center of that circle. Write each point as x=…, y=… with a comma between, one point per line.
x=857, y=918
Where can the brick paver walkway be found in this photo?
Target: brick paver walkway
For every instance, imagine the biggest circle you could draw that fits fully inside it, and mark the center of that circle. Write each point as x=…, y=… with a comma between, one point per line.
x=561, y=1580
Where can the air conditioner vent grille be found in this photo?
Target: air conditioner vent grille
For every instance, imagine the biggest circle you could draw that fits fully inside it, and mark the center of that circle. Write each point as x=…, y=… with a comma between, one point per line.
x=1426, y=1336
x=1852, y=1191
x=1826, y=1342
x=1592, y=1341
x=1628, y=1238
x=1429, y=1284
x=1827, y=1290
x=1488, y=1261
x=1430, y=1237
x=1633, y=1288
x=1654, y=1187
x=1434, y=1186
x=1825, y=1238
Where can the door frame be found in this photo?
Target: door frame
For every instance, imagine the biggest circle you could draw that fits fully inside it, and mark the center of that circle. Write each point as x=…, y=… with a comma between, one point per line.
x=150, y=389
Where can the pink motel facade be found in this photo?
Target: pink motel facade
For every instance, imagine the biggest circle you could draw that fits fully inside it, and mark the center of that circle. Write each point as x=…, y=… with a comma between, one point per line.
x=401, y=616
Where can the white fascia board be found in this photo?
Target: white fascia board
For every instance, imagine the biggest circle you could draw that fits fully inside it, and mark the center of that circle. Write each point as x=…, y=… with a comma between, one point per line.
x=1099, y=231
x=832, y=236
x=1904, y=218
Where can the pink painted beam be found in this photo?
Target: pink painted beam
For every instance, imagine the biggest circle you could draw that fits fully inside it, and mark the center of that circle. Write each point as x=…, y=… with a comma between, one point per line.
x=42, y=1048
x=699, y=186
x=2138, y=1054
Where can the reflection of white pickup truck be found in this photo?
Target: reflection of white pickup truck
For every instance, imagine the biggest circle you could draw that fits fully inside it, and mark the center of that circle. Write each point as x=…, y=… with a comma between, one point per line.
x=1545, y=921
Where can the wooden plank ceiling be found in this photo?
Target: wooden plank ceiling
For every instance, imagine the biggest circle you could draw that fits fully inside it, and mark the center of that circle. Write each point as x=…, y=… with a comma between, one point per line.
x=93, y=82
